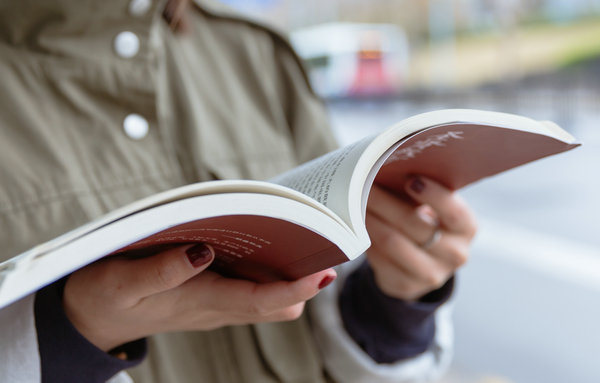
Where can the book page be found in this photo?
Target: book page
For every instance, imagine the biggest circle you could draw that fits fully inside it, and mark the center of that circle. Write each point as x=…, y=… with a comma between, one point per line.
x=327, y=178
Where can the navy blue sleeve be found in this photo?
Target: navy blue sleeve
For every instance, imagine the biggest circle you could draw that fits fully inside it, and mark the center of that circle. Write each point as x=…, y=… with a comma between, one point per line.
x=386, y=328
x=66, y=355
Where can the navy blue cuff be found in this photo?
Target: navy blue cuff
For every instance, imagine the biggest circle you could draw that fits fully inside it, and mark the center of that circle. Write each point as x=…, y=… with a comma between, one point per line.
x=66, y=355
x=386, y=328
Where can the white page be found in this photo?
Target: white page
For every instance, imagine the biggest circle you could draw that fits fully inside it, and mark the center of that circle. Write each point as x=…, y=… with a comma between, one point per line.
x=327, y=178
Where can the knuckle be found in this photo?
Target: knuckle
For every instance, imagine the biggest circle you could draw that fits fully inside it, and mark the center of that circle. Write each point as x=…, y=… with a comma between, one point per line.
x=256, y=306
x=435, y=280
x=394, y=288
x=255, y=309
x=458, y=257
x=472, y=227
x=291, y=313
x=390, y=240
x=454, y=219
x=165, y=275
x=458, y=215
x=468, y=222
x=106, y=275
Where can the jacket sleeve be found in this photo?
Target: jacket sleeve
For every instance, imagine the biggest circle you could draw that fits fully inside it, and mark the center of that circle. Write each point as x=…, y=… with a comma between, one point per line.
x=346, y=361
x=19, y=358
x=388, y=329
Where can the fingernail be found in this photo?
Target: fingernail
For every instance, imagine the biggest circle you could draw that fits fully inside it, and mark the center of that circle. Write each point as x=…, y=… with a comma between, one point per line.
x=199, y=254
x=417, y=185
x=326, y=281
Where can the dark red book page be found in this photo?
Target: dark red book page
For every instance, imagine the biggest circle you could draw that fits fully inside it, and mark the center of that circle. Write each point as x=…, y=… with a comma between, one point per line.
x=457, y=155
x=257, y=248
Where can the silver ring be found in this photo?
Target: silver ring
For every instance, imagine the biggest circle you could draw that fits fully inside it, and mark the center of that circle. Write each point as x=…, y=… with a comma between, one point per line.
x=433, y=239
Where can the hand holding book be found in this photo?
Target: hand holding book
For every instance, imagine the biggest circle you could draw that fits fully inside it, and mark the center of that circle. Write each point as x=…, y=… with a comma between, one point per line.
x=173, y=290
x=404, y=267
x=118, y=300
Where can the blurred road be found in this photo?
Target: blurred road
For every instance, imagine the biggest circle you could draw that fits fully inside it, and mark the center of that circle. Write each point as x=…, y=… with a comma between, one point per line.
x=528, y=302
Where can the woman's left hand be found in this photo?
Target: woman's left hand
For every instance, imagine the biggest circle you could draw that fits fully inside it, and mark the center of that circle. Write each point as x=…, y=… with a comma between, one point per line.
x=416, y=248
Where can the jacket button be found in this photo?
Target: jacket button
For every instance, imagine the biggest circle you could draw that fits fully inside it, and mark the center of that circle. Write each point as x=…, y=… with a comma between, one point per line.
x=135, y=126
x=127, y=44
x=139, y=7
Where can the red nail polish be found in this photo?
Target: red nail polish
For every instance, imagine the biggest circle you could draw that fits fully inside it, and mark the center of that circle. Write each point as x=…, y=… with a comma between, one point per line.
x=199, y=255
x=417, y=185
x=326, y=281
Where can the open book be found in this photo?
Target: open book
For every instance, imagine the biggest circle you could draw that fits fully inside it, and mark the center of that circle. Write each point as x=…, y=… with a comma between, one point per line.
x=307, y=219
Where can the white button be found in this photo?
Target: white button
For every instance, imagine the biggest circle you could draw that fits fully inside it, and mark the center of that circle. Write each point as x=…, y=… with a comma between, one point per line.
x=135, y=126
x=127, y=44
x=139, y=7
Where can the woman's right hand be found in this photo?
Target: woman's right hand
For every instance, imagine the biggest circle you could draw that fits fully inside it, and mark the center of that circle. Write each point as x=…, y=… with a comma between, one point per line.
x=115, y=301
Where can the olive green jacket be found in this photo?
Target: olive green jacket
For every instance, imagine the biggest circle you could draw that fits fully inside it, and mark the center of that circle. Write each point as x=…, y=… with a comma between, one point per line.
x=92, y=118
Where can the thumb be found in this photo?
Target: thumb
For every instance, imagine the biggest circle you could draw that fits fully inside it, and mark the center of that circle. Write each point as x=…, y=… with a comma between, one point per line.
x=168, y=269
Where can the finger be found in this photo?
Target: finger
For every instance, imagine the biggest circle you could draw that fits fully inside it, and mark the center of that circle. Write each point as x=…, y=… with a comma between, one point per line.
x=451, y=249
x=163, y=271
x=219, y=301
x=277, y=295
x=394, y=281
x=285, y=314
x=403, y=254
x=264, y=299
x=452, y=211
x=412, y=220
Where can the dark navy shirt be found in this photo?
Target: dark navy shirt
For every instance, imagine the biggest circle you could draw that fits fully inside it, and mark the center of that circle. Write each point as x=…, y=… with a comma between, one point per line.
x=67, y=356
x=388, y=329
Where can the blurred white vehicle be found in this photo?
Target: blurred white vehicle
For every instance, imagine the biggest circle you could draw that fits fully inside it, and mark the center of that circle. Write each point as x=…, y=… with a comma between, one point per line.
x=354, y=60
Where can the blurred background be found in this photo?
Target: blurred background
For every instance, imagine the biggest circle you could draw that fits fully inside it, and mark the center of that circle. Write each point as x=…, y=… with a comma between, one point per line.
x=528, y=302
